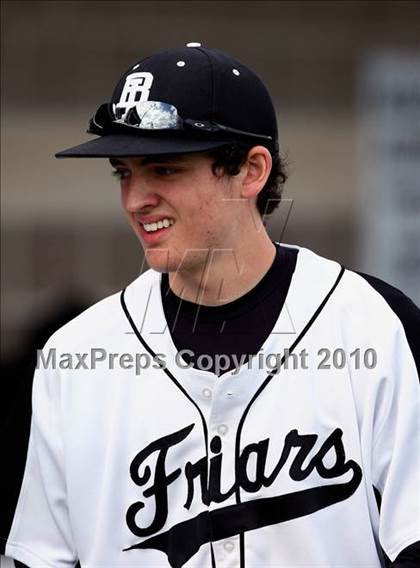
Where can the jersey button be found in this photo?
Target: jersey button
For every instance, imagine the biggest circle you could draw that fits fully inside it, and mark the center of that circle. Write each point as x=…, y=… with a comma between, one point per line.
x=222, y=429
x=206, y=393
x=229, y=546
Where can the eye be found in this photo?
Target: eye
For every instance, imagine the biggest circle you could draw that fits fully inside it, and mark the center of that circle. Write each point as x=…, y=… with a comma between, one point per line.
x=120, y=174
x=165, y=171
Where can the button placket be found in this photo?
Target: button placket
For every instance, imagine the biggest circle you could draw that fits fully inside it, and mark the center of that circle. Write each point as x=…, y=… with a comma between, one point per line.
x=226, y=411
x=222, y=422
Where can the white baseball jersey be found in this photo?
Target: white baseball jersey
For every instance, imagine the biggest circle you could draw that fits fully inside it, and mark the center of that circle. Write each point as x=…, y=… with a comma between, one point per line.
x=136, y=460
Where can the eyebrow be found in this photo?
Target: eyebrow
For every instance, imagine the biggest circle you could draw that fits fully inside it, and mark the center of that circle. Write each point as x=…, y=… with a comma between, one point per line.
x=164, y=159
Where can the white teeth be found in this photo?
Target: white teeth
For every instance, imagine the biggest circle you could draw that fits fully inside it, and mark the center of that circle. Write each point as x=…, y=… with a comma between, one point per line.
x=163, y=223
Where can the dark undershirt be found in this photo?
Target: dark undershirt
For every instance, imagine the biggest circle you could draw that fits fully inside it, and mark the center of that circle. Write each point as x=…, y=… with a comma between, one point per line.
x=237, y=328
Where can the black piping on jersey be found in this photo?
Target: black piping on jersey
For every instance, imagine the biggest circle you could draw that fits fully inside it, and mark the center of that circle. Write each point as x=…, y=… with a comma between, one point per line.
x=164, y=369
x=272, y=373
x=259, y=391
x=174, y=380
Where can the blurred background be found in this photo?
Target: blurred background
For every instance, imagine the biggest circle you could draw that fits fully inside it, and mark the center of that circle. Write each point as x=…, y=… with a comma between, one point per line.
x=345, y=79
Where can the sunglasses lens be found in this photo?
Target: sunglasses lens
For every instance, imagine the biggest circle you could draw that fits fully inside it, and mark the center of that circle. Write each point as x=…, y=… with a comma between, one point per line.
x=152, y=115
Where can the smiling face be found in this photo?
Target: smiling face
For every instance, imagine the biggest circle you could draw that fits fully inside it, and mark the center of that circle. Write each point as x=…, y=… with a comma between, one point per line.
x=179, y=209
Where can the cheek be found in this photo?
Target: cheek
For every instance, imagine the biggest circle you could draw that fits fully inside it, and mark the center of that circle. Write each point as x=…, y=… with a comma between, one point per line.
x=206, y=210
x=218, y=213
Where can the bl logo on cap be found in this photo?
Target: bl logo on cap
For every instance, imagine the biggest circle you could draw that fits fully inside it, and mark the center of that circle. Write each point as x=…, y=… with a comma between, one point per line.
x=136, y=90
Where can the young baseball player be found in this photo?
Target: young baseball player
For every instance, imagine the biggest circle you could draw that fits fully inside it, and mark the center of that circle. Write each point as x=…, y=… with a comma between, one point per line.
x=243, y=403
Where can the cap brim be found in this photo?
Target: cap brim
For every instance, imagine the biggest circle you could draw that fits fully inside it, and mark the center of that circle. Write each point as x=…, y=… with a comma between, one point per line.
x=128, y=145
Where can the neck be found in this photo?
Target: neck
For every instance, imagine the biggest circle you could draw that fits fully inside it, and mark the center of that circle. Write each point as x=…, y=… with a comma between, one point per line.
x=226, y=274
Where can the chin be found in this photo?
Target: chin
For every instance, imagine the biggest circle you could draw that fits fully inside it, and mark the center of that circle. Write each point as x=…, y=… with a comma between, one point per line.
x=160, y=260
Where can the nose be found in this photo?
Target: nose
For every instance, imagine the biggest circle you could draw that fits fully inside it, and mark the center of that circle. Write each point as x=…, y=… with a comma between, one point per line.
x=137, y=197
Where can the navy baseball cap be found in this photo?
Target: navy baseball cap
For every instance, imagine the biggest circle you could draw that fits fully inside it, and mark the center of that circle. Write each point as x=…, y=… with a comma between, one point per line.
x=183, y=100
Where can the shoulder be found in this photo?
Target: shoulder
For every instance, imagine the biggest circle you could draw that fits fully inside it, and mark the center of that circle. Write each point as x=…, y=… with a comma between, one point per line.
x=371, y=297
x=366, y=294
x=364, y=302
x=365, y=287
x=102, y=320
x=381, y=309
x=403, y=308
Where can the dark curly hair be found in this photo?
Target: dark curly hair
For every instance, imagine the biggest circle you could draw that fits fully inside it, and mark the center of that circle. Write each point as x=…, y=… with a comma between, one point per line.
x=230, y=158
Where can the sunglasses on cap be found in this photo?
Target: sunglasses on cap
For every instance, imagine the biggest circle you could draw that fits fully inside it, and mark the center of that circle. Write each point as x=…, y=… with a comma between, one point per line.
x=155, y=116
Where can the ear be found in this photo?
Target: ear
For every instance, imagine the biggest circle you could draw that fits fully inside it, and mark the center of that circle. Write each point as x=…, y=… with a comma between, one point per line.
x=256, y=170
